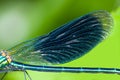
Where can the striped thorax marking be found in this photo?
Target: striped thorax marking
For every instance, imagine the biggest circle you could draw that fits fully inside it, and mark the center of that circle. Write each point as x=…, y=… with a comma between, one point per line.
x=4, y=53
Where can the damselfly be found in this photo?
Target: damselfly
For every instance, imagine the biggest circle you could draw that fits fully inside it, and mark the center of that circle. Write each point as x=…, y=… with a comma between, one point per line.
x=67, y=43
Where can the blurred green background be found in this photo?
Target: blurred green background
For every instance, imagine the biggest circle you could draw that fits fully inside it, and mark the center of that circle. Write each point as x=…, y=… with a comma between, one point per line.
x=23, y=20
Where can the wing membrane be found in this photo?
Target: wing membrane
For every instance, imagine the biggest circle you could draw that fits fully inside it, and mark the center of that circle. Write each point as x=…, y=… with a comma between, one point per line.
x=66, y=43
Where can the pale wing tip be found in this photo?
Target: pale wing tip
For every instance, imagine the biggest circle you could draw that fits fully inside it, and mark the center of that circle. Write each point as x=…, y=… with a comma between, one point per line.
x=105, y=19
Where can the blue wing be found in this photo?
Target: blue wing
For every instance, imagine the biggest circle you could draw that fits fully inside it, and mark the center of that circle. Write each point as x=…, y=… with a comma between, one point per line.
x=66, y=43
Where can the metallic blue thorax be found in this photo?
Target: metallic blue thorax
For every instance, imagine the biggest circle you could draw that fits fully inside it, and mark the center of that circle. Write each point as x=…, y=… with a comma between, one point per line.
x=4, y=59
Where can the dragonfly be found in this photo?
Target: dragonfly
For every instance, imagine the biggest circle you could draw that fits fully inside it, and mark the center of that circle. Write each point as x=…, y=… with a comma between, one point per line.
x=65, y=44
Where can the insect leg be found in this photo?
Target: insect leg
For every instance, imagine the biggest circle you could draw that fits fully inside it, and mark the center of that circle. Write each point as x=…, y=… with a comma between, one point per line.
x=26, y=73
x=4, y=75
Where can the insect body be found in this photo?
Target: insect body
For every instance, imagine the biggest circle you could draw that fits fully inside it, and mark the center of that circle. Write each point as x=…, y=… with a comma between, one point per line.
x=67, y=43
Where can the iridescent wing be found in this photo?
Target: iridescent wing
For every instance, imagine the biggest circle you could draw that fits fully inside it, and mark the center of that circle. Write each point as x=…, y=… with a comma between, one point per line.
x=66, y=43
